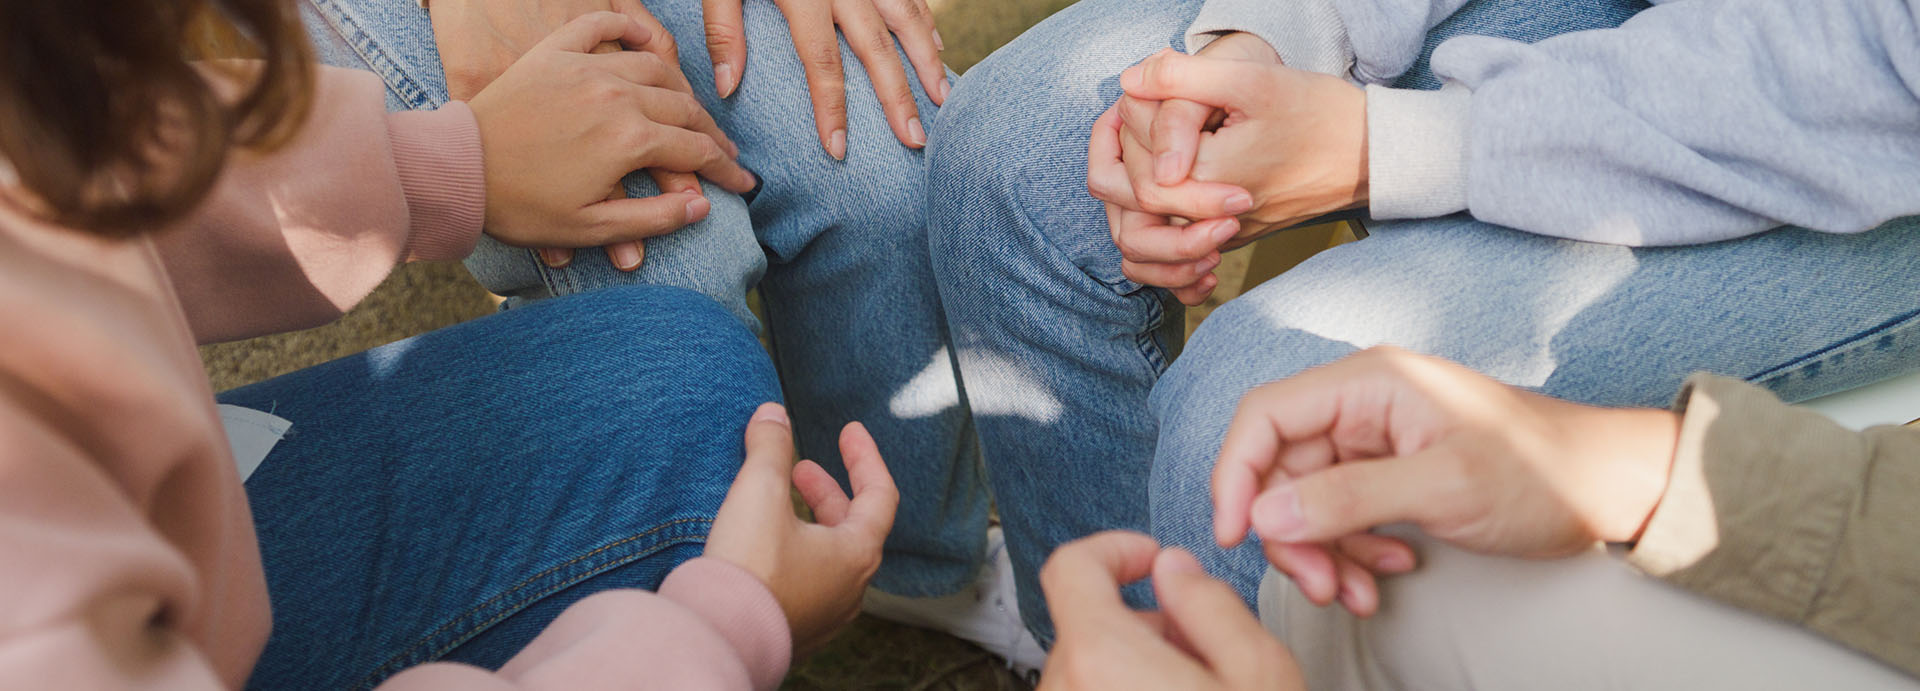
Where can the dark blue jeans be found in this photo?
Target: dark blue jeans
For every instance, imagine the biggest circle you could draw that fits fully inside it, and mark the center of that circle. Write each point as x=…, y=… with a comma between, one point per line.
x=446, y=496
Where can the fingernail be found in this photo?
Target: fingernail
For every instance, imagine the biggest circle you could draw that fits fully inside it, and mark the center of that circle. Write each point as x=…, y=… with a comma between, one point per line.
x=1223, y=231
x=697, y=208
x=1210, y=263
x=1130, y=78
x=937, y=43
x=837, y=145
x=1276, y=514
x=625, y=256
x=556, y=259
x=770, y=412
x=723, y=79
x=1166, y=167
x=1394, y=562
x=1239, y=203
x=945, y=89
x=916, y=132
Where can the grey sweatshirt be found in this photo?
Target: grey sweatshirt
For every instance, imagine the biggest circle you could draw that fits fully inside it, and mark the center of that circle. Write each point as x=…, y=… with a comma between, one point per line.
x=1695, y=121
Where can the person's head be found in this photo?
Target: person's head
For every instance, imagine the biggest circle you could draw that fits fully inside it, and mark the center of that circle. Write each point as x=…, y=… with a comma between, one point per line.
x=108, y=127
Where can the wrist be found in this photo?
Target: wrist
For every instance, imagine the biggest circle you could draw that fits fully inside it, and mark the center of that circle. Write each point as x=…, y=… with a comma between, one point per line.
x=1640, y=446
x=1241, y=45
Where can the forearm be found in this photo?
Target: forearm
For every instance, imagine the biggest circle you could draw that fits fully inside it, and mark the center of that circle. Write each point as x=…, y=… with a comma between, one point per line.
x=1780, y=511
x=711, y=626
x=1693, y=122
x=293, y=237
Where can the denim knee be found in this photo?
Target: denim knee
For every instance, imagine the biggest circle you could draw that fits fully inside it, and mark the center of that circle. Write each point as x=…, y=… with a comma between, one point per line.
x=1007, y=177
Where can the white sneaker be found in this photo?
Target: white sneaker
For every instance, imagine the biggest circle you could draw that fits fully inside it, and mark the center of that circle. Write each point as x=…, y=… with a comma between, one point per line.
x=985, y=613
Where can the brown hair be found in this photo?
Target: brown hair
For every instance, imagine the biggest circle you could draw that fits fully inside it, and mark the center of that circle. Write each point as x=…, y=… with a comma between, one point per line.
x=107, y=124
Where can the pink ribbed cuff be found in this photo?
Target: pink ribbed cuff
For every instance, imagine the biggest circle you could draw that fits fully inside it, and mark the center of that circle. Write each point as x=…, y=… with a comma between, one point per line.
x=444, y=177
x=741, y=608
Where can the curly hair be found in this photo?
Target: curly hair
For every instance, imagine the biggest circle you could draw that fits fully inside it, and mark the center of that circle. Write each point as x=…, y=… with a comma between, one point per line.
x=108, y=123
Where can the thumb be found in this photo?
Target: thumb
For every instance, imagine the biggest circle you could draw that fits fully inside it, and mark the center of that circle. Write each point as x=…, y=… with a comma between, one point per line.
x=588, y=31
x=769, y=444
x=1213, y=621
x=1210, y=81
x=1353, y=497
x=726, y=44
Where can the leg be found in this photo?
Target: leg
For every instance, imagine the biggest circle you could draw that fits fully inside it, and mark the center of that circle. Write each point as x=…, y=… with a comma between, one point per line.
x=429, y=505
x=1468, y=621
x=1800, y=312
x=1058, y=349
x=853, y=313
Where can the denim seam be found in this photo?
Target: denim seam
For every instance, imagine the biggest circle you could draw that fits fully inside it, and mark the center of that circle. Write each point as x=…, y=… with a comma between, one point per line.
x=1150, y=348
x=363, y=43
x=407, y=657
x=1127, y=290
x=1839, y=349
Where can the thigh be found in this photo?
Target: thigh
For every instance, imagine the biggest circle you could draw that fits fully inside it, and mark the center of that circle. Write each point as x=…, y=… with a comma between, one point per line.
x=1469, y=621
x=443, y=497
x=1800, y=312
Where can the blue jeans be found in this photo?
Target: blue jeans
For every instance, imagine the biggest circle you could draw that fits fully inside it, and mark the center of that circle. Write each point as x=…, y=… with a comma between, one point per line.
x=852, y=311
x=1088, y=420
x=428, y=504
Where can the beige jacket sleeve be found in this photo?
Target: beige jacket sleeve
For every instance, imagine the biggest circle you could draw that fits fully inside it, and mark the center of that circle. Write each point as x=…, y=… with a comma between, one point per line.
x=1778, y=510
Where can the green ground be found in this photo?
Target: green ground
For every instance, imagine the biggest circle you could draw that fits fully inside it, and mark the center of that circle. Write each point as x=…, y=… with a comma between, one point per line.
x=871, y=654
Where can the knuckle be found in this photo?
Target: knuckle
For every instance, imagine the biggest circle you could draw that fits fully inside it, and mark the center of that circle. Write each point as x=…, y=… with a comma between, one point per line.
x=1152, y=198
x=606, y=92
x=912, y=10
x=637, y=135
x=720, y=35
x=820, y=54
x=650, y=64
x=685, y=107
x=1338, y=502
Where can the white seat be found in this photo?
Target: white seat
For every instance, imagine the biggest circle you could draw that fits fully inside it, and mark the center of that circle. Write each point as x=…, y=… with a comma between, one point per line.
x=1895, y=401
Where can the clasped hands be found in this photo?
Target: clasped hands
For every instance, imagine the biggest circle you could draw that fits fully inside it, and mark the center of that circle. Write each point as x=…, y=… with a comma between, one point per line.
x=1209, y=152
x=559, y=139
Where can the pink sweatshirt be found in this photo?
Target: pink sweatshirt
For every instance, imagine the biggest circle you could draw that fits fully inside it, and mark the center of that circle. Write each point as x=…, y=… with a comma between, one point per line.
x=127, y=553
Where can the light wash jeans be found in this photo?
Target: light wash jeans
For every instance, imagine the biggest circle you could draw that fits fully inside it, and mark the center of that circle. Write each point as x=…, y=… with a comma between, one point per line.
x=428, y=505
x=852, y=311
x=1086, y=417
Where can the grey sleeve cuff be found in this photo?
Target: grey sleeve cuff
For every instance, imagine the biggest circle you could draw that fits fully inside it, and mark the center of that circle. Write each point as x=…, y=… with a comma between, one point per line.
x=1417, y=151
x=1308, y=34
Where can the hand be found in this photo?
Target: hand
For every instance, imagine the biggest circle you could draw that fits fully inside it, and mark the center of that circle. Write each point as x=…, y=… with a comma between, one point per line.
x=1155, y=249
x=561, y=127
x=480, y=39
x=871, y=27
x=1296, y=140
x=1171, y=129
x=817, y=571
x=1387, y=436
x=1204, y=637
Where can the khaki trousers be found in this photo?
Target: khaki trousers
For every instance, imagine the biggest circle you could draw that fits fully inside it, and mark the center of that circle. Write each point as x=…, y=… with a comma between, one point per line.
x=1468, y=621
